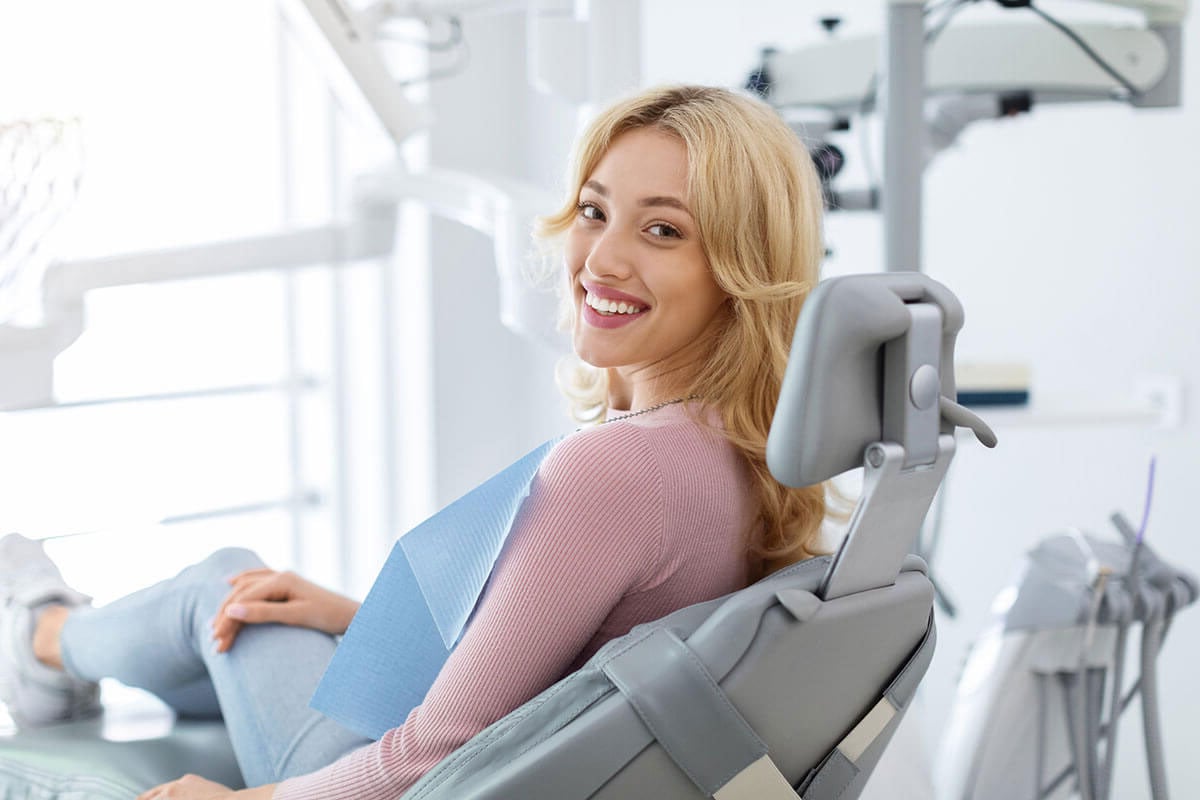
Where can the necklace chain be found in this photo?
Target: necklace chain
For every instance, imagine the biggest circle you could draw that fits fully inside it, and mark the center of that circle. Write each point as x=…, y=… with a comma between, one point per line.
x=651, y=408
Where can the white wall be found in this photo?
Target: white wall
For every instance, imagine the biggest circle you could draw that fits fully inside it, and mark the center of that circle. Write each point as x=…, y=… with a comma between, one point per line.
x=494, y=390
x=1070, y=235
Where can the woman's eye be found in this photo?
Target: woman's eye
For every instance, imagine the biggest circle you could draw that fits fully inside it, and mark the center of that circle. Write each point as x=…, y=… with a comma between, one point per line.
x=589, y=211
x=664, y=230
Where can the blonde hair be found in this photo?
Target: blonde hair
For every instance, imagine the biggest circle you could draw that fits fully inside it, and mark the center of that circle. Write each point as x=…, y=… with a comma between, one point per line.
x=757, y=202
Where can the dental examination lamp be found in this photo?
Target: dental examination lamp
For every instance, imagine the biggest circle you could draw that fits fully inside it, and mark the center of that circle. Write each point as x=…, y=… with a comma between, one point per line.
x=933, y=79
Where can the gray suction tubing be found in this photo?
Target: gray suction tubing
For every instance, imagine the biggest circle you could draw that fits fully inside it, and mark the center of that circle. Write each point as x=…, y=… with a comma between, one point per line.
x=1152, y=630
x=1123, y=610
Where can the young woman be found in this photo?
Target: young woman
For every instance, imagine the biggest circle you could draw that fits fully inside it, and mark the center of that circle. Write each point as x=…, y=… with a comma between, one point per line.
x=690, y=238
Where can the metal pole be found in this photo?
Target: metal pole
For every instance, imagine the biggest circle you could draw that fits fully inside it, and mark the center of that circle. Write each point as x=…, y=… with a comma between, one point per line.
x=903, y=94
x=296, y=508
x=302, y=384
x=614, y=48
x=344, y=532
x=307, y=500
x=391, y=437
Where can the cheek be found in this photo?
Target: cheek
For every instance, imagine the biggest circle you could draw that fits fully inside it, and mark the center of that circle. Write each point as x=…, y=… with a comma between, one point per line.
x=702, y=288
x=718, y=299
x=574, y=254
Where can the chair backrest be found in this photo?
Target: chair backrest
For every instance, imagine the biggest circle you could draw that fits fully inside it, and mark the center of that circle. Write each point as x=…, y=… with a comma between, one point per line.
x=800, y=679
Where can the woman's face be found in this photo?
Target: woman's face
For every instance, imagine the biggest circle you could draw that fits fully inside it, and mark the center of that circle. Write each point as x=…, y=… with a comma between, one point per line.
x=644, y=295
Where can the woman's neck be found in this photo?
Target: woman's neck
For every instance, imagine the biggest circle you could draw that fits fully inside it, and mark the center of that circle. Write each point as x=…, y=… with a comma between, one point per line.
x=627, y=395
x=620, y=393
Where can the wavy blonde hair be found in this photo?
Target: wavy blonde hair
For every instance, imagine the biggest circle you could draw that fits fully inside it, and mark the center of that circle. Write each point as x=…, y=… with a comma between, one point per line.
x=757, y=202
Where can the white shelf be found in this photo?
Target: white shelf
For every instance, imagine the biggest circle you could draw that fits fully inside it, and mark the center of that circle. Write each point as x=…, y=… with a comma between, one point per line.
x=1157, y=401
x=1034, y=416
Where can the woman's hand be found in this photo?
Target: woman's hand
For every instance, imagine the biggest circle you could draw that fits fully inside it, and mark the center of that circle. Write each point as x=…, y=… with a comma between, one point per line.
x=193, y=787
x=189, y=787
x=264, y=595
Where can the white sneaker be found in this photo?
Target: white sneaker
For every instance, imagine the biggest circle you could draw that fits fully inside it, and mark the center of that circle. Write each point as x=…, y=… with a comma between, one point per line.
x=34, y=693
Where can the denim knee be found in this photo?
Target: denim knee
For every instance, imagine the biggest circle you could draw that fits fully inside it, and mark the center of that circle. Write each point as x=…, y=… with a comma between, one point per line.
x=207, y=583
x=224, y=564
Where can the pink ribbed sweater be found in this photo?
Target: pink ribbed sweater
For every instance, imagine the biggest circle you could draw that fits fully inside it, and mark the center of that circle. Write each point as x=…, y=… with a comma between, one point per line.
x=625, y=523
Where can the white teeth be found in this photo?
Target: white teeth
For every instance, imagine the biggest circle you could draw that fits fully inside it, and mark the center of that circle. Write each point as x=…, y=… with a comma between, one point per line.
x=611, y=306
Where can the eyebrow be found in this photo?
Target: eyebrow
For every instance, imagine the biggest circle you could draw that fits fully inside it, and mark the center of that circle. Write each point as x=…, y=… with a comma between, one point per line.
x=645, y=202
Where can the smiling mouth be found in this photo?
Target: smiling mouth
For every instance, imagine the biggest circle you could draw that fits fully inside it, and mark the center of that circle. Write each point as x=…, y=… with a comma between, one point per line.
x=611, y=308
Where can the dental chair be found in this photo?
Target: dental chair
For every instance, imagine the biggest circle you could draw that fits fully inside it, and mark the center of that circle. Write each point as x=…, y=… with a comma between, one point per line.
x=791, y=687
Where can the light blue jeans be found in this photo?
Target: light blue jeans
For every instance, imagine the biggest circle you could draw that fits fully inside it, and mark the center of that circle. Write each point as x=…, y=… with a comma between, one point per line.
x=160, y=640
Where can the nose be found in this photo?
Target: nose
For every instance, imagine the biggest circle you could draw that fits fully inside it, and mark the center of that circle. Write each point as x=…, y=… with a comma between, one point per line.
x=610, y=255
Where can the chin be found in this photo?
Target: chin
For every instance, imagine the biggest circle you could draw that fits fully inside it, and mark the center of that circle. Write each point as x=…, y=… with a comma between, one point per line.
x=591, y=359
x=592, y=356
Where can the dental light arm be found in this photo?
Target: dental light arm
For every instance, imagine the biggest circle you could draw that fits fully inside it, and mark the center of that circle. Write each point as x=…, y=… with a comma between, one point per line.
x=364, y=81
x=1031, y=62
x=835, y=75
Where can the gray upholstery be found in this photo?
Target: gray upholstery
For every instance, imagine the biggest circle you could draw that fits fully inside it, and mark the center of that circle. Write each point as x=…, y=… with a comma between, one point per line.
x=801, y=684
x=674, y=696
x=830, y=407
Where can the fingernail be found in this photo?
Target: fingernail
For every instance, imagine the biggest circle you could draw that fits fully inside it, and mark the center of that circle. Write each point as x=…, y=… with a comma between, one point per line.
x=236, y=611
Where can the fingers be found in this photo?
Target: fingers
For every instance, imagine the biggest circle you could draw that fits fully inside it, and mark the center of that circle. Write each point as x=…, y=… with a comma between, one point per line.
x=226, y=628
x=263, y=595
x=250, y=575
x=237, y=615
x=225, y=631
x=256, y=613
x=189, y=787
x=266, y=585
x=258, y=596
x=161, y=792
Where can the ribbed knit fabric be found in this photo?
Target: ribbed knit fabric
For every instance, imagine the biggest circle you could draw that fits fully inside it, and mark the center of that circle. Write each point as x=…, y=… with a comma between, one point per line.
x=625, y=523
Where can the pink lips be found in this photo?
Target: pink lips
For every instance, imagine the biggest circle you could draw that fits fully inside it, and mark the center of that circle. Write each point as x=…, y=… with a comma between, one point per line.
x=594, y=318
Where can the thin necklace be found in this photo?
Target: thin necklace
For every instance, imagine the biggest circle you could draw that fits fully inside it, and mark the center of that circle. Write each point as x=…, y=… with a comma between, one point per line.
x=651, y=408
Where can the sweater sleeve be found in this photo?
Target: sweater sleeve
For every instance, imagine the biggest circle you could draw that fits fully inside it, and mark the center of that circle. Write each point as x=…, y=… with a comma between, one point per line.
x=589, y=533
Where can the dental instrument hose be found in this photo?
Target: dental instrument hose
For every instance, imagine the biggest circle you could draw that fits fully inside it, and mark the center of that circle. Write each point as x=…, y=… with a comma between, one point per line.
x=1086, y=726
x=1123, y=615
x=1152, y=630
x=1074, y=697
x=1152, y=634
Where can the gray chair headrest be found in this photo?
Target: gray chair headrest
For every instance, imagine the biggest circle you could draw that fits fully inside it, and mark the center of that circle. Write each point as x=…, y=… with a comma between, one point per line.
x=831, y=403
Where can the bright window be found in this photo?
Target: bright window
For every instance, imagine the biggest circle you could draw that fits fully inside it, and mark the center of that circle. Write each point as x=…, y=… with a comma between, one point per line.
x=185, y=401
